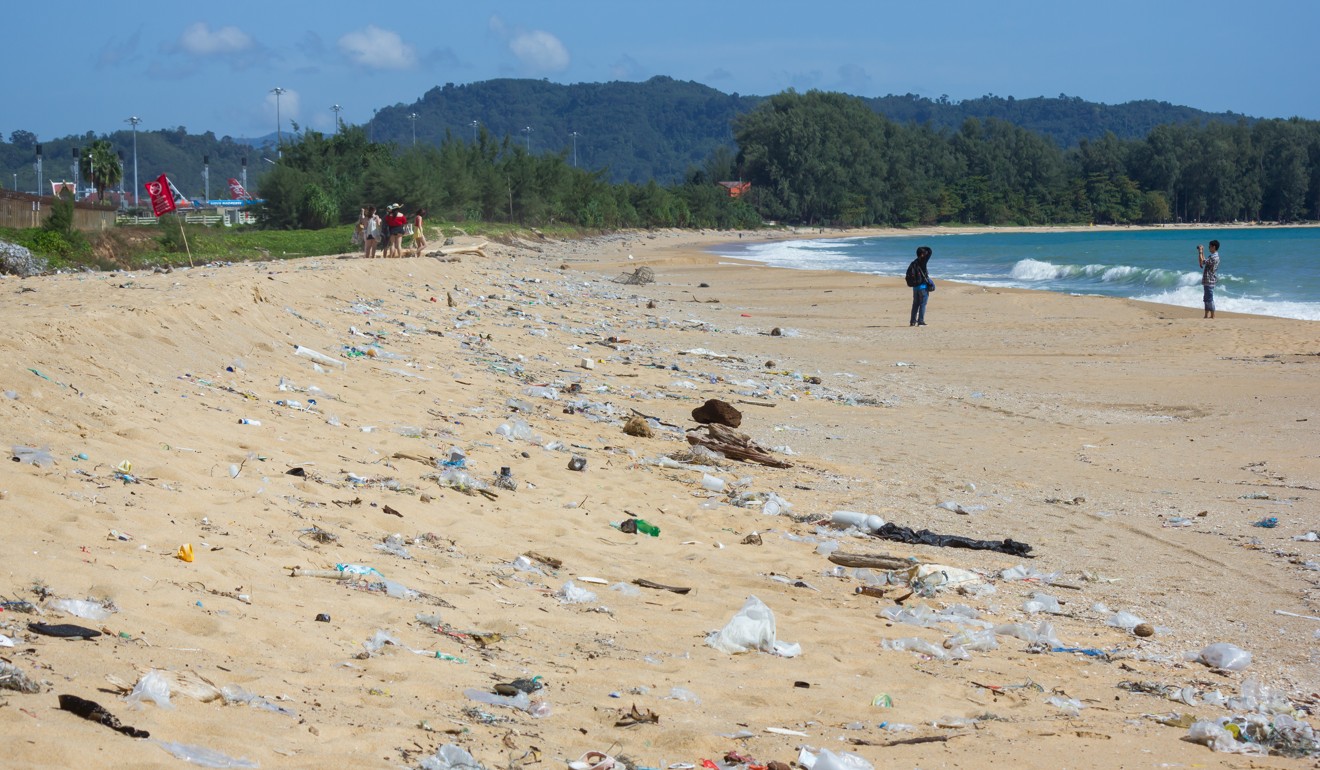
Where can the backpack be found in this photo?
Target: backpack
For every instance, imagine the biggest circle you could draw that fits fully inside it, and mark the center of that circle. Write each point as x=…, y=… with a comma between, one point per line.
x=913, y=274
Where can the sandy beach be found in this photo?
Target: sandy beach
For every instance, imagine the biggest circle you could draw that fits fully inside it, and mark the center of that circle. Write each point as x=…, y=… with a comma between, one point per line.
x=292, y=416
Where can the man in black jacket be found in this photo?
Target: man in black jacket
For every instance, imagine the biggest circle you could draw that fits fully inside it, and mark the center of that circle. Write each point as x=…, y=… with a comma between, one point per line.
x=919, y=279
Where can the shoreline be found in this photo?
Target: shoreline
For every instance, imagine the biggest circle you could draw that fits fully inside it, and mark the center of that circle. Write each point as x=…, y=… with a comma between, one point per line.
x=707, y=244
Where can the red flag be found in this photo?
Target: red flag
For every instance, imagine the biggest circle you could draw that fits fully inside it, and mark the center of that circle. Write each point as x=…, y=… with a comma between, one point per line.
x=162, y=197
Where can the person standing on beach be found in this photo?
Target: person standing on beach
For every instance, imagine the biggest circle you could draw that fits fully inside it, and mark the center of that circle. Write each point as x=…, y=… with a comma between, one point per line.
x=372, y=229
x=419, y=231
x=1209, y=275
x=919, y=279
x=395, y=222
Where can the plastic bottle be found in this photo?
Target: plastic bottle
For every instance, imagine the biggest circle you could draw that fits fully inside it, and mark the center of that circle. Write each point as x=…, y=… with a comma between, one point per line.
x=870, y=523
x=647, y=528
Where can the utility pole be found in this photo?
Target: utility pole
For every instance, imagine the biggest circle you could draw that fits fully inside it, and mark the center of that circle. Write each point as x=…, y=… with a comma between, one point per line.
x=76, y=164
x=413, y=117
x=474, y=131
x=38, y=165
x=528, y=131
x=135, y=120
x=279, y=136
x=206, y=176
x=574, y=134
x=335, y=108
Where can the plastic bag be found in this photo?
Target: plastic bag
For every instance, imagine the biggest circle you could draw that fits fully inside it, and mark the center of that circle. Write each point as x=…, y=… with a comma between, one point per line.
x=572, y=593
x=1223, y=655
x=752, y=628
x=82, y=608
x=828, y=760
x=451, y=757
x=153, y=686
x=204, y=757
x=41, y=458
x=1124, y=620
x=1040, y=602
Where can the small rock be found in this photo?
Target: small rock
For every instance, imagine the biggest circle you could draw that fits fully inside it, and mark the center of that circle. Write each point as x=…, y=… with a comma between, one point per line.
x=776, y=332
x=578, y=463
x=1144, y=630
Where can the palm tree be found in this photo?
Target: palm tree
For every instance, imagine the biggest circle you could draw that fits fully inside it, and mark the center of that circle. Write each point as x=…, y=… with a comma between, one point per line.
x=100, y=163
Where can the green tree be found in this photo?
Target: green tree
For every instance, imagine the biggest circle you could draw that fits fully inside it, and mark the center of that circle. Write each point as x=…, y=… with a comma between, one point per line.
x=99, y=163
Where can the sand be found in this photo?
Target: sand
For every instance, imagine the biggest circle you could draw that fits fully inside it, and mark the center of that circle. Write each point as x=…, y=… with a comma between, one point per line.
x=1089, y=428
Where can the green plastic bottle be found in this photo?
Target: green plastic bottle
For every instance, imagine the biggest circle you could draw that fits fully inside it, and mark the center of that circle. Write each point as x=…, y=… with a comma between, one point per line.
x=647, y=528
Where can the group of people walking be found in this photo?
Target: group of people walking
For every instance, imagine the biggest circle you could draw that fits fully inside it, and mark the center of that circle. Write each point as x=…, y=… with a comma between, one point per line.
x=382, y=236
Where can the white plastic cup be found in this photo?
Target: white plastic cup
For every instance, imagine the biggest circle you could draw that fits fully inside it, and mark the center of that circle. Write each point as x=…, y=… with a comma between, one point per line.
x=712, y=483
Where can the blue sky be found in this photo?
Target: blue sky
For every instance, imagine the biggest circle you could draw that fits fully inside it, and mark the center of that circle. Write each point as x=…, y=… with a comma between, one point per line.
x=211, y=66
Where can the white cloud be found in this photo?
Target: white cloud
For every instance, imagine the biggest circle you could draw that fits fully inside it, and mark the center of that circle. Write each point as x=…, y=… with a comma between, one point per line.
x=539, y=51
x=378, y=48
x=200, y=40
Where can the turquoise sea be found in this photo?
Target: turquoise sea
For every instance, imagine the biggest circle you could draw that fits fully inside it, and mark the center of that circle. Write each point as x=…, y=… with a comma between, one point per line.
x=1262, y=271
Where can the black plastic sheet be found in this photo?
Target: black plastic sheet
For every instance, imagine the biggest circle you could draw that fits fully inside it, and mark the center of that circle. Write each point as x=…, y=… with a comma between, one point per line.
x=892, y=531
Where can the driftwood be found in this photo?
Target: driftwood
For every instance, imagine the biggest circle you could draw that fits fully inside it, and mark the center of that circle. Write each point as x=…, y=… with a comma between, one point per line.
x=872, y=560
x=734, y=445
x=644, y=583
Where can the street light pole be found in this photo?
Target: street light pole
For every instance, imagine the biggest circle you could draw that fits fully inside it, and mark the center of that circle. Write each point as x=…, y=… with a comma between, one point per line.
x=335, y=108
x=279, y=135
x=206, y=176
x=528, y=131
x=76, y=164
x=413, y=118
x=135, y=120
x=574, y=134
x=474, y=131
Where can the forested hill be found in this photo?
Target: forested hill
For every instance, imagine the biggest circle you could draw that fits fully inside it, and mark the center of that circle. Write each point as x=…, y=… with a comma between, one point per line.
x=660, y=128
x=654, y=130
x=638, y=131
x=1065, y=119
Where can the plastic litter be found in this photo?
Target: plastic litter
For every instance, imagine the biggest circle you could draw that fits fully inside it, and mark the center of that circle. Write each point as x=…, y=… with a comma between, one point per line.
x=451, y=757
x=204, y=757
x=1223, y=655
x=1124, y=620
x=13, y=678
x=153, y=686
x=234, y=694
x=1069, y=705
x=82, y=608
x=924, y=647
x=320, y=358
x=828, y=760
x=892, y=531
x=752, y=628
x=1040, y=602
x=572, y=593
x=864, y=522
x=40, y=458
